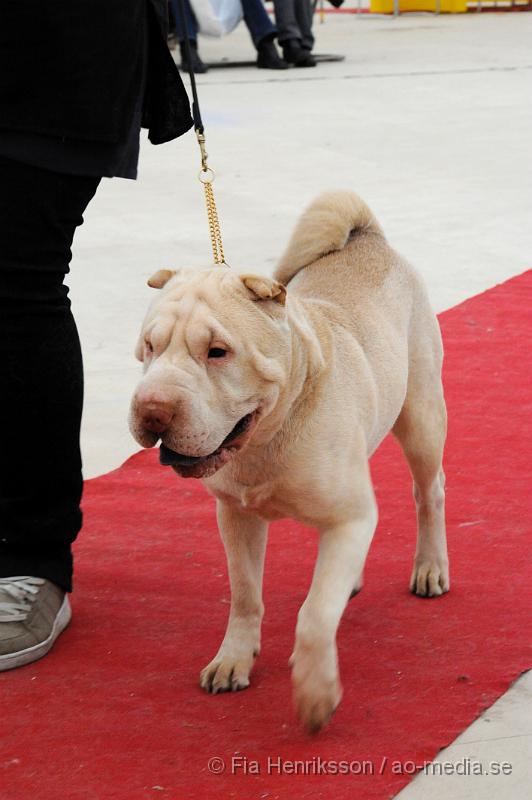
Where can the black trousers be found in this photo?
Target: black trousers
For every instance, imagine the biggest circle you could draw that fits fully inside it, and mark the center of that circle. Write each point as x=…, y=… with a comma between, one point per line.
x=41, y=371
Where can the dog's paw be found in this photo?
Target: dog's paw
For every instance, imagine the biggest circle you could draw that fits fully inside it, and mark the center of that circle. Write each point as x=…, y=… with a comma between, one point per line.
x=430, y=577
x=315, y=707
x=227, y=672
x=317, y=689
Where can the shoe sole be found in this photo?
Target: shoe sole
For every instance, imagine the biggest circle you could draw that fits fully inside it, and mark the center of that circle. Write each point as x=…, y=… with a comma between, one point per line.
x=30, y=654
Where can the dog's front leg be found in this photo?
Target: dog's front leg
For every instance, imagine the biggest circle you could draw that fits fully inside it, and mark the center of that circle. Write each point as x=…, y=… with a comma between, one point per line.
x=244, y=537
x=315, y=676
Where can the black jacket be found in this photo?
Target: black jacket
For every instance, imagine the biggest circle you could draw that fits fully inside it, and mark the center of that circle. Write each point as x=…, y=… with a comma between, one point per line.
x=73, y=69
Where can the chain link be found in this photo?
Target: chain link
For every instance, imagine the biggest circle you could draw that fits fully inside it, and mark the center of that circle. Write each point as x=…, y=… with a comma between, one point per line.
x=214, y=224
x=206, y=177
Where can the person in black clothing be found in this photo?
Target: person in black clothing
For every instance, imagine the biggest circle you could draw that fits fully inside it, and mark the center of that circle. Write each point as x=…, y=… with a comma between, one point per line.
x=77, y=82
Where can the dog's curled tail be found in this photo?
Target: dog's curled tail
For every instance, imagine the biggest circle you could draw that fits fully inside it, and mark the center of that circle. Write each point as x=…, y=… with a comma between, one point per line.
x=324, y=227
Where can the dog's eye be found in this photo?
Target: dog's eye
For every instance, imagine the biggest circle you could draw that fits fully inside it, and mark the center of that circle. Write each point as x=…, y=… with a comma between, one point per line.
x=217, y=352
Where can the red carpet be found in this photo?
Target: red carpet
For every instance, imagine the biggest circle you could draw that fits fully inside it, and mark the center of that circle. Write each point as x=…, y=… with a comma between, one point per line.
x=115, y=712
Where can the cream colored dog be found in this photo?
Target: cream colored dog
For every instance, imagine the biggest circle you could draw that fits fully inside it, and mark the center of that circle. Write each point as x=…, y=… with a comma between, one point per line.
x=277, y=397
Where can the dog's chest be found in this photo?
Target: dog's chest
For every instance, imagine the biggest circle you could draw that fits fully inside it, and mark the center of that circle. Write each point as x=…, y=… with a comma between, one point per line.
x=261, y=499
x=279, y=497
x=270, y=498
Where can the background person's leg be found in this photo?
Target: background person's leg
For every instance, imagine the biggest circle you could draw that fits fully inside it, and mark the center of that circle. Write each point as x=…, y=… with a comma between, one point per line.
x=262, y=32
x=191, y=34
x=257, y=21
x=303, y=9
x=294, y=22
x=42, y=375
x=286, y=20
x=190, y=19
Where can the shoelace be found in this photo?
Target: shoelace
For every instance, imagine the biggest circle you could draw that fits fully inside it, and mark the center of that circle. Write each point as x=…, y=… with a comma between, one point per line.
x=23, y=590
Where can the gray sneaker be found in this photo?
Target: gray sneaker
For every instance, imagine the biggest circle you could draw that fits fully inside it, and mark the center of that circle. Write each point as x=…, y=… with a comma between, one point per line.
x=33, y=612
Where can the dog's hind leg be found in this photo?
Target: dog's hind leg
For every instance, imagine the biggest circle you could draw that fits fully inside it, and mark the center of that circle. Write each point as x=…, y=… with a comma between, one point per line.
x=421, y=429
x=244, y=537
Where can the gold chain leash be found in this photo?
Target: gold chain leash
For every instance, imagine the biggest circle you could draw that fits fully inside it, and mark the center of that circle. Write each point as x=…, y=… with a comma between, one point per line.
x=206, y=177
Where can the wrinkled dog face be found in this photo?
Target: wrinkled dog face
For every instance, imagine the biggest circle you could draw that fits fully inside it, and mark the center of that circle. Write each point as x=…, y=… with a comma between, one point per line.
x=215, y=347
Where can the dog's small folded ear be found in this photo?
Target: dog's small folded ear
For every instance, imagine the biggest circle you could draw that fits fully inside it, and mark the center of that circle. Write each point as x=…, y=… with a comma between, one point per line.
x=264, y=288
x=161, y=278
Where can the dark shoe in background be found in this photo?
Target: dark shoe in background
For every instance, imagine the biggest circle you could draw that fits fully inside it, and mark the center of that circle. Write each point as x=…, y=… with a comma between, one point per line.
x=33, y=612
x=198, y=67
x=297, y=55
x=268, y=56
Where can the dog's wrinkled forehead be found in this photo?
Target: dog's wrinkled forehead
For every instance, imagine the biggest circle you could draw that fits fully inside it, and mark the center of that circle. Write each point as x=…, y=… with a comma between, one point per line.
x=195, y=307
x=220, y=279
x=216, y=287
x=183, y=303
x=187, y=286
x=188, y=292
